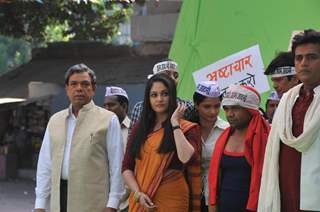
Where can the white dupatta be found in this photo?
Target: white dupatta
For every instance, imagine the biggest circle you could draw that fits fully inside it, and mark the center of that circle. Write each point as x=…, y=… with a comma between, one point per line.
x=281, y=130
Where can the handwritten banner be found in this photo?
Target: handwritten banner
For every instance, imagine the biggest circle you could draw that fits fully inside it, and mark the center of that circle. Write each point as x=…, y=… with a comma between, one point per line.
x=242, y=68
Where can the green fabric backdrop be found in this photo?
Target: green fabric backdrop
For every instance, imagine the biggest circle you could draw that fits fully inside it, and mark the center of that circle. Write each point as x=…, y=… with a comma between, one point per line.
x=209, y=30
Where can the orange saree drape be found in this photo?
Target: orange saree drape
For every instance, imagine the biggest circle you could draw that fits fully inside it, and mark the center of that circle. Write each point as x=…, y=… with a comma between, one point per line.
x=168, y=189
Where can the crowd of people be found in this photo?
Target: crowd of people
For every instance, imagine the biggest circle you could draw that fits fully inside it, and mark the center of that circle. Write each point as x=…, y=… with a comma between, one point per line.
x=174, y=155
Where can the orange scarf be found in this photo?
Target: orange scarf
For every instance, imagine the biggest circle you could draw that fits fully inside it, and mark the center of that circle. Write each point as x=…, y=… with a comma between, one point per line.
x=255, y=144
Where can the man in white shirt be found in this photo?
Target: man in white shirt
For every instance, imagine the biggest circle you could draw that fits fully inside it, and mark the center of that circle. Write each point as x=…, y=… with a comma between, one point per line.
x=80, y=158
x=116, y=100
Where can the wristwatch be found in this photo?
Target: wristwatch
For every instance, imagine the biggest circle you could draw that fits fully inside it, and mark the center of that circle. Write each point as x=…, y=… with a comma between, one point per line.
x=176, y=127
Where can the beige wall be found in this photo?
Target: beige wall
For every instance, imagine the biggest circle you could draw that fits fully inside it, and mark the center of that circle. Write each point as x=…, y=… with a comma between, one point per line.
x=154, y=27
x=40, y=89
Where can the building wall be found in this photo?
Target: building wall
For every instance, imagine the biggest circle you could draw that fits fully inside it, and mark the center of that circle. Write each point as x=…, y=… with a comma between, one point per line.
x=155, y=22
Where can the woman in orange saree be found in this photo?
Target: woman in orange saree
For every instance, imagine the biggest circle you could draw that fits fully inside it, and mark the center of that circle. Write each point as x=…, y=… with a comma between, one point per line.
x=161, y=148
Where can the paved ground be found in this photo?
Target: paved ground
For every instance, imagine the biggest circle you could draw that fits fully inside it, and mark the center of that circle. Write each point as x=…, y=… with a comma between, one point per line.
x=17, y=195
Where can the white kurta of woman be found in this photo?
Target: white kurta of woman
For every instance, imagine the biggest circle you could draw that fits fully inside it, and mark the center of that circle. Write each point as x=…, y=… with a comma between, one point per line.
x=308, y=143
x=88, y=179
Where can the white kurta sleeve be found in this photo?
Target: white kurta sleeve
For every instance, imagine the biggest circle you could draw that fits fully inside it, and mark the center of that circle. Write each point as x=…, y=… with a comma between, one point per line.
x=115, y=154
x=43, y=186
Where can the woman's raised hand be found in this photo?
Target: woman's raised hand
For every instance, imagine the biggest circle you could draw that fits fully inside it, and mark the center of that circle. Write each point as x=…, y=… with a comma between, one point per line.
x=178, y=114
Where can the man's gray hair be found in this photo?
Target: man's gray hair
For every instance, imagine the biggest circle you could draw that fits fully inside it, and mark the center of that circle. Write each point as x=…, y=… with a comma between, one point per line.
x=80, y=68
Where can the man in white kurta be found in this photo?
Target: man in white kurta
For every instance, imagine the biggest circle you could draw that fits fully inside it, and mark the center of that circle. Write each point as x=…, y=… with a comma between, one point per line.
x=116, y=100
x=80, y=158
x=291, y=172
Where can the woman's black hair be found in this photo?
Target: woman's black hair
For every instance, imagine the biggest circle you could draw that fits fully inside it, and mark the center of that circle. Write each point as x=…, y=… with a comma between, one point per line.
x=147, y=119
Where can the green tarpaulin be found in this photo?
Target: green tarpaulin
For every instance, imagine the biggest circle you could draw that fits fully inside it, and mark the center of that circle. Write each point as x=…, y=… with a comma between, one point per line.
x=209, y=30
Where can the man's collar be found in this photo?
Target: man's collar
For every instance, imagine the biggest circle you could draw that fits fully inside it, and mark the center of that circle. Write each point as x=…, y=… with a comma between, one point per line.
x=126, y=122
x=317, y=90
x=86, y=107
x=221, y=123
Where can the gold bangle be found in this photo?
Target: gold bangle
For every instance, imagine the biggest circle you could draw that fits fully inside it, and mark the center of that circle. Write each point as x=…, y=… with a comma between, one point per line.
x=136, y=196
